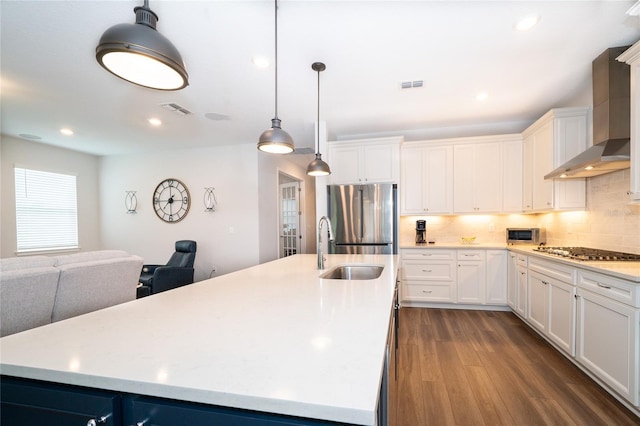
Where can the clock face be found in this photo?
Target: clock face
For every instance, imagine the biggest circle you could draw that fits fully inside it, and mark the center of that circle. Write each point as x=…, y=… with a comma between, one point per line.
x=171, y=200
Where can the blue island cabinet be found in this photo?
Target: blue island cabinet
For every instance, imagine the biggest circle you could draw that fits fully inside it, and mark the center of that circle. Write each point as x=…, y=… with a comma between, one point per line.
x=31, y=402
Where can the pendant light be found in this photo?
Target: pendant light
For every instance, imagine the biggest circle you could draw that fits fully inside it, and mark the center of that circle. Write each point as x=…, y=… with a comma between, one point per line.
x=275, y=140
x=318, y=167
x=138, y=53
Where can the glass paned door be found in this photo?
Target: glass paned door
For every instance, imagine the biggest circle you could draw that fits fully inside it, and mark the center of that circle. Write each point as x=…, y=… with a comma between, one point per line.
x=289, y=219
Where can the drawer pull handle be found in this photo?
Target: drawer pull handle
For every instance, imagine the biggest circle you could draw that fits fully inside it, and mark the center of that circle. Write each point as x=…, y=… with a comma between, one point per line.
x=427, y=291
x=426, y=254
x=427, y=270
x=470, y=255
x=545, y=282
x=604, y=286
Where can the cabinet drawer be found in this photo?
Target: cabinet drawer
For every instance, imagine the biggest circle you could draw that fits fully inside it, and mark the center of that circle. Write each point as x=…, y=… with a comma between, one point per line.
x=555, y=270
x=522, y=260
x=430, y=271
x=611, y=287
x=428, y=292
x=429, y=254
x=471, y=255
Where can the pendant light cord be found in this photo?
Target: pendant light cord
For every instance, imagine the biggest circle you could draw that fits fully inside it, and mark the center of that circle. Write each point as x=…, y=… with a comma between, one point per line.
x=318, y=124
x=276, y=55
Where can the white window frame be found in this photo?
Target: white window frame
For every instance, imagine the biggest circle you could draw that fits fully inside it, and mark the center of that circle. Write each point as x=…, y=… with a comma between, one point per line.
x=46, y=211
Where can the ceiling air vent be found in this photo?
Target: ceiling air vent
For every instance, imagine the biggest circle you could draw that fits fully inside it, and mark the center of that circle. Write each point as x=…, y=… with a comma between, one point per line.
x=411, y=84
x=176, y=108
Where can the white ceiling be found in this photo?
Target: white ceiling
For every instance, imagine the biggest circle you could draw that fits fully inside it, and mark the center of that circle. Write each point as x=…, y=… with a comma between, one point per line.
x=50, y=78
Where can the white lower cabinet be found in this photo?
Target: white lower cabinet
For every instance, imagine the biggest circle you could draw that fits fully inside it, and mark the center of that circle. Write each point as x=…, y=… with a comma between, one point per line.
x=562, y=315
x=593, y=318
x=512, y=279
x=496, y=290
x=428, y=275
x=474, y=276
x=538, y=301
x=552, y=303
x=607, y=332
x=522, y=290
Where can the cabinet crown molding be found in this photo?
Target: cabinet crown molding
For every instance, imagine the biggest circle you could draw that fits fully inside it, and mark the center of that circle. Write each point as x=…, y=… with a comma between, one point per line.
x=630, y=55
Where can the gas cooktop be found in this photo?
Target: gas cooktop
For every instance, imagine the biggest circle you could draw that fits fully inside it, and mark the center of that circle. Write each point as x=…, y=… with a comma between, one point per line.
x=585, y=253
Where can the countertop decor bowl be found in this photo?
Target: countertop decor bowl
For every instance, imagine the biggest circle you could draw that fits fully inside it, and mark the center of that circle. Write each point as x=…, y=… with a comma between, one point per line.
x=468, y=240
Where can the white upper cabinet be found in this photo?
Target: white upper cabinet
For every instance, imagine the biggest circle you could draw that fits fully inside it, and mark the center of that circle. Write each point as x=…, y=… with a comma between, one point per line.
x=632, y=57
x=477, y=178
x=556, y=137
x=512, y=176
x=365, y=161
x=426, y=178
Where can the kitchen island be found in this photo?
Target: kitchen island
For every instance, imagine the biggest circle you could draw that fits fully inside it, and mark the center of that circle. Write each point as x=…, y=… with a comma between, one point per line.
x=274, y=338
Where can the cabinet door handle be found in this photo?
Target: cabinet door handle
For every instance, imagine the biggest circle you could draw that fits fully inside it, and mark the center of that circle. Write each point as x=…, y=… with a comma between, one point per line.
x=604, y=286
x=545, y=282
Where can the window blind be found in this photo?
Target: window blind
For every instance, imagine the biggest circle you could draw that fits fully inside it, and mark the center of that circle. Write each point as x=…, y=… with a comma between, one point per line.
x=46, y=210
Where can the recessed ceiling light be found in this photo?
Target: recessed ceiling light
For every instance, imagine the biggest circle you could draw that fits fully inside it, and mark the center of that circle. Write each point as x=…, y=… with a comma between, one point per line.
x=260, y=61
x=154, y=121
x=66, y=131
x=482, y=96
x=527, y=23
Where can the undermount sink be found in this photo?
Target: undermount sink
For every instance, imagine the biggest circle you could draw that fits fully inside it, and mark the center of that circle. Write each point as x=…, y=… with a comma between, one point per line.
x=353, y=272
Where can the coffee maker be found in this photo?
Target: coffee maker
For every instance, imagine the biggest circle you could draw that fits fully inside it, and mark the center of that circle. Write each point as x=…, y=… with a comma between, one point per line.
x=421, y=231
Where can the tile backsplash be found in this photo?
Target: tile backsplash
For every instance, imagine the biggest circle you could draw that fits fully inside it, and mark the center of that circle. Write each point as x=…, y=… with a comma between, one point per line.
x=609, y=222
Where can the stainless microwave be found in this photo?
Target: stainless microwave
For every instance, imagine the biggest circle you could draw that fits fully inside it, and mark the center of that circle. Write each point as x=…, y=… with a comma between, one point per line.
x=526, y=235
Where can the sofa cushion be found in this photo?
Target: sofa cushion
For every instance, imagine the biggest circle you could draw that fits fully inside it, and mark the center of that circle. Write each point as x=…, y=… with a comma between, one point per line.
x=92, y=285
x=26, y=298
x=88, y=256
x=25, y=262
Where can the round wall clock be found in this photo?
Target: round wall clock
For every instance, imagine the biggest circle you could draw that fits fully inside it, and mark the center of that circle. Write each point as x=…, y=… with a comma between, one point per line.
x=171, y=200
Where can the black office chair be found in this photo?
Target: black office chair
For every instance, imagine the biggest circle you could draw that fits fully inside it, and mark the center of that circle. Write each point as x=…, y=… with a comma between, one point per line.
x=176, y=273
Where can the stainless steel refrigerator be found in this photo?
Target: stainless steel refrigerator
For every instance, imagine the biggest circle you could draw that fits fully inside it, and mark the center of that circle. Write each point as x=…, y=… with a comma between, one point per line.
x=363, y=218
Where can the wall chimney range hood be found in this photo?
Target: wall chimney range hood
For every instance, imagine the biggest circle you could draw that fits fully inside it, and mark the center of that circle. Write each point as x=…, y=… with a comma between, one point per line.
x=611, y=121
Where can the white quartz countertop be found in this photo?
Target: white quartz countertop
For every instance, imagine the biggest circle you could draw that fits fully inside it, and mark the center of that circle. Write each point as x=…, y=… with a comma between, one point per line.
x=273, y=338
x=620, y=269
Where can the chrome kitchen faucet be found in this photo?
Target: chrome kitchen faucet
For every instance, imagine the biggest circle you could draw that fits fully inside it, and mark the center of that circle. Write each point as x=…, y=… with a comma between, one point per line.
x=321, y=259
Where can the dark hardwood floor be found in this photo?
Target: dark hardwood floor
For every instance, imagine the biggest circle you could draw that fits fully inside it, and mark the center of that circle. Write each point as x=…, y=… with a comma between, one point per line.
x=461, y=367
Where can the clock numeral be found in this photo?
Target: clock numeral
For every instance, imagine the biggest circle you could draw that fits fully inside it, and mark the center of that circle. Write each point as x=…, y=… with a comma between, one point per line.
x=170, y=218
x=156, y=200
x=169, y=183
x=185, y=200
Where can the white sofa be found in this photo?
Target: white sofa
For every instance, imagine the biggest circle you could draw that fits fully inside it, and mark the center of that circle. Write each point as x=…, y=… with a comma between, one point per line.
x=38, y=290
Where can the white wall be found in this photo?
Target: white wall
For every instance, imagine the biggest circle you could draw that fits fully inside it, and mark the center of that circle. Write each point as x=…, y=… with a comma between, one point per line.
x=269, y=166
x=38, y=156
x=227, y=239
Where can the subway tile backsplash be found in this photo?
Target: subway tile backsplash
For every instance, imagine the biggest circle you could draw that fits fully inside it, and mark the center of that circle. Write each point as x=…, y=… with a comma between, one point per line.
x=609, y=221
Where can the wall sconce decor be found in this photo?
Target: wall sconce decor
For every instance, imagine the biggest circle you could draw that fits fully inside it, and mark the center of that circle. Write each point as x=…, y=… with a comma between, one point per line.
x=209, y=200
x=131, y=202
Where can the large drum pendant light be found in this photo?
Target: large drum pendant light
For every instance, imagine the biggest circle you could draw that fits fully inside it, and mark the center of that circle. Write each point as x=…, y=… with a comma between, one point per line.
x=318, y=167
x=275, y=140
x=138, y=53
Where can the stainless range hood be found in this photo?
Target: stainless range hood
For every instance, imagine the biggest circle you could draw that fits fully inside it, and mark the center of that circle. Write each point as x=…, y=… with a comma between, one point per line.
x=611, y=121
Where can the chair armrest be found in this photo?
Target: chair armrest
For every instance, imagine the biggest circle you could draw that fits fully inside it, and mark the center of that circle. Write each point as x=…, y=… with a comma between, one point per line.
x=149, y=269
x=170, y=277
